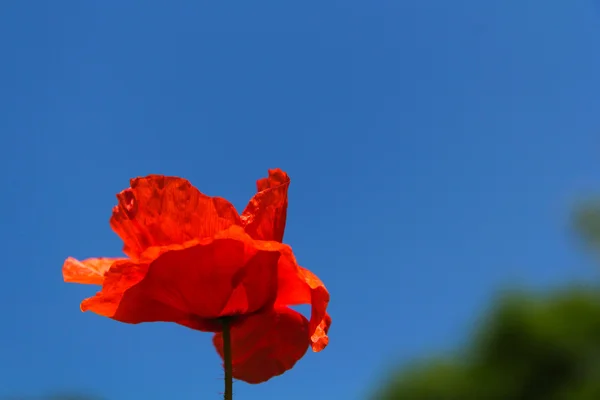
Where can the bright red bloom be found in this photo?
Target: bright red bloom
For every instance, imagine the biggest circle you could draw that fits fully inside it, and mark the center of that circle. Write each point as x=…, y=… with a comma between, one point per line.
x=192, y=259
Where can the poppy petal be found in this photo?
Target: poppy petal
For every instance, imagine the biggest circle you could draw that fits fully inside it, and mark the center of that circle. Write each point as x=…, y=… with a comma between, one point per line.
x=226, y=276
x=265, y=215
x=202, y=280
x=121, y=276
x=266, y=345
x=320, y=321
x=319, y=339
x=298, y=285
x=162, y=210
x=90, y=271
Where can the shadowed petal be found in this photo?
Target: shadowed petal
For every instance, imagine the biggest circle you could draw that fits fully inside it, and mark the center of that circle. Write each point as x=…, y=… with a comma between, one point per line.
x=161, y=210
x=266, y=345
x=89, y=271
x=265, y=215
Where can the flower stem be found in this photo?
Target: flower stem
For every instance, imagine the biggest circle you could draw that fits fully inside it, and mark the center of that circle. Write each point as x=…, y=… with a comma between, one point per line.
x=227, y=360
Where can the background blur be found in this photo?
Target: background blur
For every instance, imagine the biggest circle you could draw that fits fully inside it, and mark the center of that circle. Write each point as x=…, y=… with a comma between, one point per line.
x=529, y=345
x=436, y=150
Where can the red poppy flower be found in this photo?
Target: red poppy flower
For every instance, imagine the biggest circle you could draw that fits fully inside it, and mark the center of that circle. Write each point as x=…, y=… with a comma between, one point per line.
x=193, y=260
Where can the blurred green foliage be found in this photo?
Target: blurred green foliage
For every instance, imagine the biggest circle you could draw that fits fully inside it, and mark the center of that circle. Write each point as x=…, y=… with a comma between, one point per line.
x=529, y=346
x=587, y=223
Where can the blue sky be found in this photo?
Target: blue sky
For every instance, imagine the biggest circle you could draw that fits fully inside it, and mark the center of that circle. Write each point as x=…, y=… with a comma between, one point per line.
x=435, y=148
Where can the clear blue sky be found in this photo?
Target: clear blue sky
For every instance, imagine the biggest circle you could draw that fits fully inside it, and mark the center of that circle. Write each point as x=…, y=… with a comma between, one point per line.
x=435, y=150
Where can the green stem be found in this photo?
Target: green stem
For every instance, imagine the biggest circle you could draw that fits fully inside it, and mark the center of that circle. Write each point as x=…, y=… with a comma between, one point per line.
x=227, y=360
